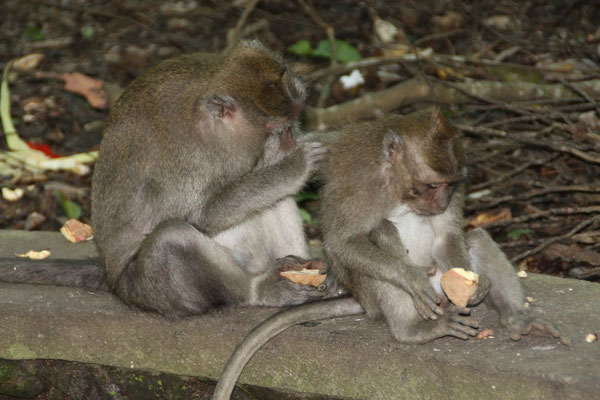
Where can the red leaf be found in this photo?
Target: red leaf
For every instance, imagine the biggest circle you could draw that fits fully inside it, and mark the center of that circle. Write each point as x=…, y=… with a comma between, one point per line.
x=44, y=148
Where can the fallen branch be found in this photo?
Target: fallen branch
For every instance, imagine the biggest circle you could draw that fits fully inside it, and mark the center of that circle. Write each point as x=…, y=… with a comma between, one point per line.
x=536, y=193
x=418, y=89
x=233, y=35
x=563, y=148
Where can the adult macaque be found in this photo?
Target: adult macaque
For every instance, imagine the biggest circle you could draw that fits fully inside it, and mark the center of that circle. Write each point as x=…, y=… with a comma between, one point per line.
x=391, y=213
x=191, y=194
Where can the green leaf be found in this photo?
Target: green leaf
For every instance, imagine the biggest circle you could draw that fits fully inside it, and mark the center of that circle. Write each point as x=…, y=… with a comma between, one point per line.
x=34, y=34
x=517, y=233
x=87, y=31
x=71, y=209
x=301, y=48
x=306, y=217
x=345, y=51
x=306, y=195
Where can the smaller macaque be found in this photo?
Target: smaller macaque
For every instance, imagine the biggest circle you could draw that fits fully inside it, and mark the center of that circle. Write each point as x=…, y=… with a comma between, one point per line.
x=391, y=212
x=393, y=224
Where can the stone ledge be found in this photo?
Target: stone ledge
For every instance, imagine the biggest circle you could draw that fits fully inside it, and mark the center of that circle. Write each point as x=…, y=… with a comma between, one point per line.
x=347, y=357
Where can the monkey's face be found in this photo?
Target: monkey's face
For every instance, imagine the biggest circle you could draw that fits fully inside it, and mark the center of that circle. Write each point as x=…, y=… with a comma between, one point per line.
x=429, y=198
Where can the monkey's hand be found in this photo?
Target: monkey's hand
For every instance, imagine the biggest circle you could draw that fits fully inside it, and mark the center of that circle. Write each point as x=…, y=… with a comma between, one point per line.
x=522, y=323
x=278, y=291
x=415, y=281
x=278, y=145
x=455, y=322
x=311, y=155
x=483, y=287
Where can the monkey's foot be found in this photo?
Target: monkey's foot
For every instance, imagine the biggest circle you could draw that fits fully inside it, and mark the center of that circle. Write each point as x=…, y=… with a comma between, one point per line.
x=521, y=324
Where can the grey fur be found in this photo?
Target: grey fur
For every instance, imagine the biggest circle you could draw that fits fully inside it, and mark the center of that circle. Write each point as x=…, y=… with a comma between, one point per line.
x=191, y=194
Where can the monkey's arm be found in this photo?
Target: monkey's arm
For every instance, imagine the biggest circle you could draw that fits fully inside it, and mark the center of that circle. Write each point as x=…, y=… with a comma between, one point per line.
x=506, y=293
x=450, y=247
x=360, y=255
x=258, y=190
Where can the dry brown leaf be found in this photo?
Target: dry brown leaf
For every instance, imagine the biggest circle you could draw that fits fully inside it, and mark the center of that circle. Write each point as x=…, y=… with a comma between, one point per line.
x=90, y=88
x=489, y=217
x=76, y=231
x=34, y=255
x=449, y=21
x=29, y=61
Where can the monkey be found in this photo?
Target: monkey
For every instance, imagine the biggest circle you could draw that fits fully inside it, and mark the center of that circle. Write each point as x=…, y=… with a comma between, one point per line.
x=192, y=203
x=392, y=222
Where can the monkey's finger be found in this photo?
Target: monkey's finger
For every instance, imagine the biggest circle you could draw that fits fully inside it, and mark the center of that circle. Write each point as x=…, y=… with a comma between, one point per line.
x=431, y=307
x=458, y=334
x=516, y=336
x=463, y=328
x=422, y=309
x=459, y=310
x=466, y=321
x=541, y=327
x=431, y=298
x=566, y=341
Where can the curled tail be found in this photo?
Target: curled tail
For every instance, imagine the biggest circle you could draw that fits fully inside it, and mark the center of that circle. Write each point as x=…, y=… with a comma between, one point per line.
x=271, y=327
x=88, y=274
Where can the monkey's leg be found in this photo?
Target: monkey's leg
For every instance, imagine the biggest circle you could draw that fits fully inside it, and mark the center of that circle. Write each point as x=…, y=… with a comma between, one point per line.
x=407, y=326
x=284, y=247
x=385, y=236
x=505, y=292
x=180, y=271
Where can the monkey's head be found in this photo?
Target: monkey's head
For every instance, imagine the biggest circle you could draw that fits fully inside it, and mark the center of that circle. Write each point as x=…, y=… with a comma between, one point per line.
x=257, y=83
x=426, y=156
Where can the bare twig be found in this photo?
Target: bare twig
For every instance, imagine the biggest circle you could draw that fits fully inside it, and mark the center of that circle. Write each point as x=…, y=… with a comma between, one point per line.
x=582, y=94
x=312, y=13
x=563, y=148
x=555, y=239
x=536, y=193
x=543, y=214
x=440, y=35
x=513, y=172
x=234, y=34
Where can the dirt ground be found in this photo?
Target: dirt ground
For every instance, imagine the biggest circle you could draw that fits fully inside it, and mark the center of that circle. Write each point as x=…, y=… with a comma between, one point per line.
x=533, y=163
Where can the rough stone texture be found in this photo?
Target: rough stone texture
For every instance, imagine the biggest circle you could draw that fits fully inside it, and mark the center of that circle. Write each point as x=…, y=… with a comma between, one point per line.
x=349, y=357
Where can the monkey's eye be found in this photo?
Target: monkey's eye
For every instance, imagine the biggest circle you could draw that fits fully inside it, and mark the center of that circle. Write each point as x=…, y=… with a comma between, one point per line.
x=415, y=192
x=433, y=185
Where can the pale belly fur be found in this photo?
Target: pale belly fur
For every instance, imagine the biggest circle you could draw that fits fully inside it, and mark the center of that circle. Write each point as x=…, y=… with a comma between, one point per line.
x=417, y=236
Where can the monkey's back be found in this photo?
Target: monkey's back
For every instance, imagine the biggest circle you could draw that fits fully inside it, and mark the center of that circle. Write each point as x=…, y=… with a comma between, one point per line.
x=158, y=159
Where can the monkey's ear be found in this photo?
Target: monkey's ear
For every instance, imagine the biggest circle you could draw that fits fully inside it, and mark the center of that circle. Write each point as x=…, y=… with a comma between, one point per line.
x=392, y=146
x=221, y=107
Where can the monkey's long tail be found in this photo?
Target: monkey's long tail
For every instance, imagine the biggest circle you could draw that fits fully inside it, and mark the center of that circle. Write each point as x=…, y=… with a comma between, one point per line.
x=88, y=274
x=274, y=325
